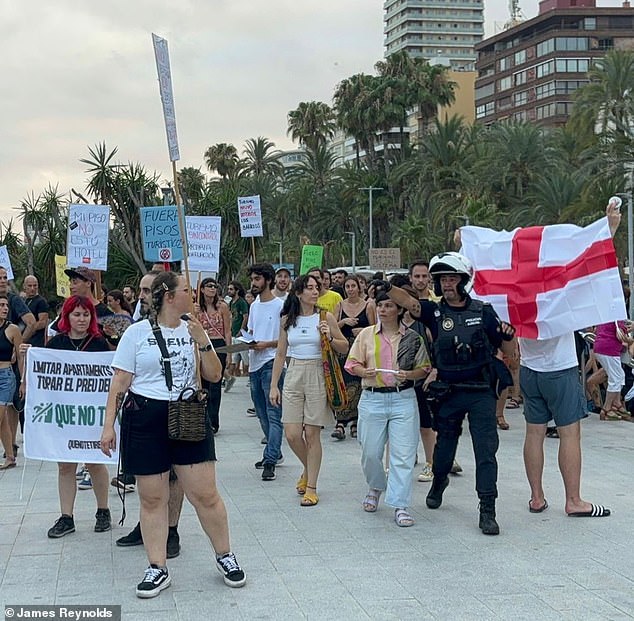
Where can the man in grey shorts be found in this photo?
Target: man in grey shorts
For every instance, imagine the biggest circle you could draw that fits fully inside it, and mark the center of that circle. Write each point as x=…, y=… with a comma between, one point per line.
x=549, y=380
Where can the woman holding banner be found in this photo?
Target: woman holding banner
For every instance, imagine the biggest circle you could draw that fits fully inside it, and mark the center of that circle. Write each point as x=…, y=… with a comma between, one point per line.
x=78, y=331
x=10, y=340
x=140, y=383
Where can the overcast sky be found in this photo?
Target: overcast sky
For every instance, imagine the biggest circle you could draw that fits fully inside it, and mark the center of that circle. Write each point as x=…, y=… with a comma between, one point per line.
x=77, y=72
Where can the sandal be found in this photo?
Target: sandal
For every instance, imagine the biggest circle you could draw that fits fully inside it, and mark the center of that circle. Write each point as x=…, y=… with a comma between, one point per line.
x=371, y=501
x=502, y=424
x=403, y=518
x=353, y=430
x=301, y=484
x=512, y=404
x=310, y=499
x=608, y=415
x=339, y=432
x=9, y=463
x=551, y=432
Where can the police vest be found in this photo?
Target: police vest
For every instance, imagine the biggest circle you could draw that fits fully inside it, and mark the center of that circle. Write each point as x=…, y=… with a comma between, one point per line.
x=461, y=343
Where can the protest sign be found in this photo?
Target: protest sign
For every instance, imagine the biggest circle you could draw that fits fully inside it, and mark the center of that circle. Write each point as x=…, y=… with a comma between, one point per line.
x=250, y=215
x=385, y=258
x=87, y=239
x=161, y=54
x=312, y=256
x=65, y=408
x=62, y=280
x=5, y=261
x=203, y=242
x=160, y=232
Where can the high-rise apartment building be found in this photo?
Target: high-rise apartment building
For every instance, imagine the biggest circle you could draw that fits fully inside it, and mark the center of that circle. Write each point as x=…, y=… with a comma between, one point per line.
x=433, y=28
x=531, y=71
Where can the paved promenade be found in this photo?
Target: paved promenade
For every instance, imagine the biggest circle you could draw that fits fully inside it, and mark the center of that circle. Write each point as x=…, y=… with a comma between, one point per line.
x=334, y=561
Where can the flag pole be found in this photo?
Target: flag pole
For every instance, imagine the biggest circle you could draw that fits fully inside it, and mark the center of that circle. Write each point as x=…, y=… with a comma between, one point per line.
x=253, y=248
x=181, y=227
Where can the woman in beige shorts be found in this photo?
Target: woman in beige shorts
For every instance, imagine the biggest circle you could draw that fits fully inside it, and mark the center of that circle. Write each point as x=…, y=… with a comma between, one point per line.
x=304, y=405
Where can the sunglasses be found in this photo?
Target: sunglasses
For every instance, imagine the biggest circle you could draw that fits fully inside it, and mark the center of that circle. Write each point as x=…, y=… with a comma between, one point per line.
x=211, y=286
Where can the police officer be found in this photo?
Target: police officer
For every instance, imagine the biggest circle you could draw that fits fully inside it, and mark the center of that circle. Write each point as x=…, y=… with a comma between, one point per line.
x=466, y=334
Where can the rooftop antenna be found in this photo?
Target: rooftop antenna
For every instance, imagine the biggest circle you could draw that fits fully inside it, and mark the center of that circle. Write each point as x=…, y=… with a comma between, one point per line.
x=516, y=14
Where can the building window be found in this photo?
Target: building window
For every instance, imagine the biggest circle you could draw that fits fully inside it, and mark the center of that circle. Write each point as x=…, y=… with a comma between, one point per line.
x=572, y=65
x=544, y=112
x=484, y=91
x=519, y=78
x=519, y=99
x=606, y=44
x=504, y=63
x=545, y=47
x=545, y=90
x=485, y=110
x=545, y=69
x=505, y=83
x=520, y=57
x=590, y=23
x=520, y=116
x=571, y=44
x=504, y=102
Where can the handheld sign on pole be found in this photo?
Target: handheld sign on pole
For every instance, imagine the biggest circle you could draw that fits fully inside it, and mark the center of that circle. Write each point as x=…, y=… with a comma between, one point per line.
x=160, y=232
x=203, y=242
x=87, y=236
x=250, y=215
x=5, y=261
x=61, y=278
x=161, y=54
x=312, y=256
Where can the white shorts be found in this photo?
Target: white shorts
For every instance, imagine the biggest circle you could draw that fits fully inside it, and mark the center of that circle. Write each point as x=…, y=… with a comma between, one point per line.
x=616, y=374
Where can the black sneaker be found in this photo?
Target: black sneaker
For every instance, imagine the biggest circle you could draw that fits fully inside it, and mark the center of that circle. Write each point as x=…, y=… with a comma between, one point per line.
x=268, y=472
x=133, y=538
x=434, y=497
x=231, y=571
x=259, y=465
x=154, y=581
x=173, y=543
x=64, y=526
x=104, y=522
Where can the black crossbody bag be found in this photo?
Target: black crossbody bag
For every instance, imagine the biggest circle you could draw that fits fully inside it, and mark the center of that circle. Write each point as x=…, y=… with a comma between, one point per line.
x=187, y=416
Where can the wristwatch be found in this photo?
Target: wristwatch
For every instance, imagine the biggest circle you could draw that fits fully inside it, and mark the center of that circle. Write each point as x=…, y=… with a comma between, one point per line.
x=208, y=347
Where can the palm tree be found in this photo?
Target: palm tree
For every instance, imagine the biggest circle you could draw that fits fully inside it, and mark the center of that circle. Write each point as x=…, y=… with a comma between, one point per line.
x=261, y=157
x=191, y=183
x=312, y=124
x=222, y=158
x=103, y=170
x=430, y=88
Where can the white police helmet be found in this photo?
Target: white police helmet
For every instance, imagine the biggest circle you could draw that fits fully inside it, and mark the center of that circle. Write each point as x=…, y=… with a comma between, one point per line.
x=452, y=263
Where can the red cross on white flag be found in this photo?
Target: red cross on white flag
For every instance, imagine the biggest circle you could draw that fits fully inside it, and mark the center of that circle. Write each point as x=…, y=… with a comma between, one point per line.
x=547, y=280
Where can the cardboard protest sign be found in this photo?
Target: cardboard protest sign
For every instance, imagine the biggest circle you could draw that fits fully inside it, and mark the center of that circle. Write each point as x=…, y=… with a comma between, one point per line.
x=385, y=258
x=62, y=280
x=66, y=405
x=250, y=216
x=160, y=232
x=203, y=242
x=161, y=54
x=5, y=261
x=87, y=238
x=312, y=256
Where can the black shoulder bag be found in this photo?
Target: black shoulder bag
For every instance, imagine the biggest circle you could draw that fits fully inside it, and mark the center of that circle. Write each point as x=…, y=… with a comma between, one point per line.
x=187, y=417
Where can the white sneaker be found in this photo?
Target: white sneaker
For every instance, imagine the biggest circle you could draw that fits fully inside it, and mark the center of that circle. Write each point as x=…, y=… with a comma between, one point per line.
x=426, y=475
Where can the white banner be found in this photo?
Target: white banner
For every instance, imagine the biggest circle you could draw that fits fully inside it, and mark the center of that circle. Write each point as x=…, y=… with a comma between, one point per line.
x=65, y=408
x=250, y=215
x=203, y=243
x=5, y=261
x=87, y=239
x=161, y=54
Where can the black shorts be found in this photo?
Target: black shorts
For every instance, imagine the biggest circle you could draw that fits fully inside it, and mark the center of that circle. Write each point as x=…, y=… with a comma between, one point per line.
x=145, y=446
x=424, y=413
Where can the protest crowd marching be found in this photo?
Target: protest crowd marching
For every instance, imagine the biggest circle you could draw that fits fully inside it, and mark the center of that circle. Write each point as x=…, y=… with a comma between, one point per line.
x=123, y=387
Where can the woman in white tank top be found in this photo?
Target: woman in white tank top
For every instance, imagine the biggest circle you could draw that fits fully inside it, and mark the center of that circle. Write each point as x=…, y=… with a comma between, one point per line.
x=304, y=405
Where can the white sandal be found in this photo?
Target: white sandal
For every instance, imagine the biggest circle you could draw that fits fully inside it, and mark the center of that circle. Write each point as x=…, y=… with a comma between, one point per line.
x=403, y=518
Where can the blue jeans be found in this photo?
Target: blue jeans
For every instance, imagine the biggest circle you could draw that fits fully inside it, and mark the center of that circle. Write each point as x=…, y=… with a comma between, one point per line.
x=392, y=416
x=270, y=416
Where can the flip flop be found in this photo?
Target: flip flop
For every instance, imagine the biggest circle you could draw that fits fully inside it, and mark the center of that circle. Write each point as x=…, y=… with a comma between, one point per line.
x=512, y=404
x=540, y=510
x=596, y=511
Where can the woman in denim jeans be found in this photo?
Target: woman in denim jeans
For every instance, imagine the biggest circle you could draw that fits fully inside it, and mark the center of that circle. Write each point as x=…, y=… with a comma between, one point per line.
x=389, y=358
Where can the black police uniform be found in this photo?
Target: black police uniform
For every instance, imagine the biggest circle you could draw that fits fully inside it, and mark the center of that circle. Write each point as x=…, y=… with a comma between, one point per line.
x=465, y=340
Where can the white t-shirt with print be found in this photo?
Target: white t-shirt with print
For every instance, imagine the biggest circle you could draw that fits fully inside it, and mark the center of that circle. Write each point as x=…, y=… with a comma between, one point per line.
x=264, y=325
x=138, y=353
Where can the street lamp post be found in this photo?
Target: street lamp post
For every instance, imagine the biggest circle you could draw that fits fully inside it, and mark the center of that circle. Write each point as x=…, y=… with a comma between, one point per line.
x=371, y=190
x=353, y=235
x=280, y=255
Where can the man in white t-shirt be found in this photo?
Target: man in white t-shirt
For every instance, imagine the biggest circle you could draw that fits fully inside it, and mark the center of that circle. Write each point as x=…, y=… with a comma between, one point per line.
x=264, y=325
x=549, y=379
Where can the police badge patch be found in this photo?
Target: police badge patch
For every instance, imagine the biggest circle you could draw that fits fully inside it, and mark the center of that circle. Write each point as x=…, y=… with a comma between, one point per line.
x=447, y=324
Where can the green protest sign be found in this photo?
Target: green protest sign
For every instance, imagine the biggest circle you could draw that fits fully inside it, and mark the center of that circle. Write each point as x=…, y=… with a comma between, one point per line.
x=312, y=256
